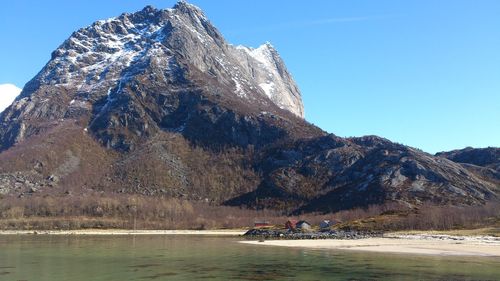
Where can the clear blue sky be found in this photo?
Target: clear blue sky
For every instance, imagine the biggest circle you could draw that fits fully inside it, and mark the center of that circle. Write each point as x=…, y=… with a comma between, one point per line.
x=424, y=73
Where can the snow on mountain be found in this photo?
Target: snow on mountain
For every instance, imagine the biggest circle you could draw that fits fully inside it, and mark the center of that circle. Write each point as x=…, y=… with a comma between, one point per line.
x=95, y=73
x=101, y=55
x=272, y=77
x=8, y=92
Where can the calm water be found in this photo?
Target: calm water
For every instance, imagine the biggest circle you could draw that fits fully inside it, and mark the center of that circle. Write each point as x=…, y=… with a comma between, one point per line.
x=77, y=258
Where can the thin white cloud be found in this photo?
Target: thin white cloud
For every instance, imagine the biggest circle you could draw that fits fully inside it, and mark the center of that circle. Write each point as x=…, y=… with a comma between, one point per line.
x=346, y=19
x=8, y=92
x=318, y=22
x=332, y=21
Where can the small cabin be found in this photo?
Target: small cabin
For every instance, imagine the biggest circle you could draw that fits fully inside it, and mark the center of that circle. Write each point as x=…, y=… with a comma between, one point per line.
x=325, y=224
x=261, y=224
x=291, y=224
x=303, y=225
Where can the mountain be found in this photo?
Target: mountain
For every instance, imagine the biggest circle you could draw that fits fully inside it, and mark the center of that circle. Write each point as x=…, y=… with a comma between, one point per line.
x=171, y=52
x=158, y=103
x=485, y=157
x=482, y=161
x=330, y=173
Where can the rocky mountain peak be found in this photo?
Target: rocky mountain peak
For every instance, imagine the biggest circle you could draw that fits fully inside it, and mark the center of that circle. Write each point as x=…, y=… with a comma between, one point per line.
x=185, y=7
x=102, y=51
x=272, y=77
x=165, y=105
x=91, y=74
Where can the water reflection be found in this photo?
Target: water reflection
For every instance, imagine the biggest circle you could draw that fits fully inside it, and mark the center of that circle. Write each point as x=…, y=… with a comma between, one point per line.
x=97, y=258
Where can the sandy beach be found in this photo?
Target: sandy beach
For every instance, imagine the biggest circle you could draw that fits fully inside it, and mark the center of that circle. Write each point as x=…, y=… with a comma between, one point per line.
x=404, y=245
x=228, y=232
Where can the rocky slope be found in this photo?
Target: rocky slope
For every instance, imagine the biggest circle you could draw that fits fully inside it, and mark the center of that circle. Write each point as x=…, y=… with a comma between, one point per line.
x=330, y=173
x=166, y=52
x=158, y=103
x=484, y=162
x=485, y=157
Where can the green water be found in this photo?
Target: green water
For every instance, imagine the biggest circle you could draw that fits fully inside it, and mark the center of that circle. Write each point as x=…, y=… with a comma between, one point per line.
x=77, y=258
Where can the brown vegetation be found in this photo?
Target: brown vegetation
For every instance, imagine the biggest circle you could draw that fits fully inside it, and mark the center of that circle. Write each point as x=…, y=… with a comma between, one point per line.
x=390, y=217
x=145, y=212
x=122, y=211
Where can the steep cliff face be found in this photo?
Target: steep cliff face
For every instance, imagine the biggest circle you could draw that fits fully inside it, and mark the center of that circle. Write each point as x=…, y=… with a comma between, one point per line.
x=272, y=76
x=95, y=75
x=158, y=103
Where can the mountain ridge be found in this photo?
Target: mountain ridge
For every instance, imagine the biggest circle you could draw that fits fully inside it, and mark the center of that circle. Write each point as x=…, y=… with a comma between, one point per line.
x=168, y=108
x=484, y=157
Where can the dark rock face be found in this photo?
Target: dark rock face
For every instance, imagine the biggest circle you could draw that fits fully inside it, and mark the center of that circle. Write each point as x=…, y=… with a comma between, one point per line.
x=330, y=174
x=158, y=103
x=127, y=73
x=485, y=157
x=484, y=162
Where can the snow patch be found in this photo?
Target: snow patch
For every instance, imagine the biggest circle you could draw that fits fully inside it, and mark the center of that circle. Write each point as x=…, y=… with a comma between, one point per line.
x=239, y=89
x=268, y=88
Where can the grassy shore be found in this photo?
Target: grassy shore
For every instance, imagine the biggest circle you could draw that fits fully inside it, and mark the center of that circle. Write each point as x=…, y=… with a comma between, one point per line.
x=217, y=232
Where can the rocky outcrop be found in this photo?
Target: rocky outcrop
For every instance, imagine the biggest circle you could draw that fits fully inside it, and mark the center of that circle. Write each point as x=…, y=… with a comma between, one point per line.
x=485, y=157
x=483, y=162
x=271, y=75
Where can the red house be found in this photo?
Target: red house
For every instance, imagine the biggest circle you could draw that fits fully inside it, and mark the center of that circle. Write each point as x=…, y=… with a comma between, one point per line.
x=259, y=224
x=291, y=224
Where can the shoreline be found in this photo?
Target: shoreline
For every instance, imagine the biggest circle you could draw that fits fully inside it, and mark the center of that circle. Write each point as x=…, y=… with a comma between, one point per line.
x=222, y=232
x=417, y=245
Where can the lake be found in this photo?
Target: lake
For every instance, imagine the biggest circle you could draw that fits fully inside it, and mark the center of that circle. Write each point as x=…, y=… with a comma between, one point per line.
x=54, y=258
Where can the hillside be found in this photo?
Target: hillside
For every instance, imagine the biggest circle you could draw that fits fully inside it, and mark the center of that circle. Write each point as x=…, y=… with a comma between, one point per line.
x=158, y=103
